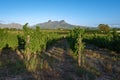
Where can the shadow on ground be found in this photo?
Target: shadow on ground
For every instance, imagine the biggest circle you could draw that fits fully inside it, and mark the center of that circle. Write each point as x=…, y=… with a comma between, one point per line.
x=12, y=67
x=58, y=64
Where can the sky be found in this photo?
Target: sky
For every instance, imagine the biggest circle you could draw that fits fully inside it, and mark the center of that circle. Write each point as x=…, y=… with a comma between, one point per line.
x=77, y=12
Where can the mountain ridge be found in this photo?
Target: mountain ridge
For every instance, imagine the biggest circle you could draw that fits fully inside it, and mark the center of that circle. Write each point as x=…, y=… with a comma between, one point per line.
x=11, y=25
x=45, y=25
x=55, y=25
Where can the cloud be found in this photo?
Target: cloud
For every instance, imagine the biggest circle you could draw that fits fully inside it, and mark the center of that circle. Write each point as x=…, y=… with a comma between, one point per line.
x=115, y=25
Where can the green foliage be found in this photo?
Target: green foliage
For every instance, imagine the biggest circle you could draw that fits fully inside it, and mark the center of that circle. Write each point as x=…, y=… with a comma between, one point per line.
x=74, y=38
x=115, y=42
x=109, y=41
x=104, y=27
x=91, y=31
x=2, y=37
x=38, y=39
x=7, y=38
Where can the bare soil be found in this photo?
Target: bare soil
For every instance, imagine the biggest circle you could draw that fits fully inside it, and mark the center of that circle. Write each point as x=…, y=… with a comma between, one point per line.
x=105, y=63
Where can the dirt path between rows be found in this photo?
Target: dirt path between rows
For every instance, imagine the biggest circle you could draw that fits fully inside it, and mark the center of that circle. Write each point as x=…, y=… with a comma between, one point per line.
x=60, y=65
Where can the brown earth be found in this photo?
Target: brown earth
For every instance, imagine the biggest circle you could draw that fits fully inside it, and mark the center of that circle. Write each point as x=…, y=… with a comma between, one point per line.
x=105, y=63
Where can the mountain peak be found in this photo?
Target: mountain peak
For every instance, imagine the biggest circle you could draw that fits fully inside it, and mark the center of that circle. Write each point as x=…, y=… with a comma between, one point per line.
x=55, y=24
x=62, y=21
x=49, y=21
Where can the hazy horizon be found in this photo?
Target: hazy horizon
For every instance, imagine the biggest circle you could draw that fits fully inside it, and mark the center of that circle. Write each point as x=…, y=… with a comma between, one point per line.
x=76, y=12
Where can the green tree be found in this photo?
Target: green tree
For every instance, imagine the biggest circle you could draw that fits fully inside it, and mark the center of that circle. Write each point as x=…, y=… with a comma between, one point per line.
x=104, y=27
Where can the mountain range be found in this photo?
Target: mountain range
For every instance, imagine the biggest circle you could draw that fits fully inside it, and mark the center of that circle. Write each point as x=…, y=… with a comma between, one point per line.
x=46, y=25
x=55, y=25
x=11, y=25
x=50, y=25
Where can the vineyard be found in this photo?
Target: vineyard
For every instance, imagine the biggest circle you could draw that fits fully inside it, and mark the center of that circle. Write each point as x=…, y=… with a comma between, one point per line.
x=109, y=41
x=77, y=54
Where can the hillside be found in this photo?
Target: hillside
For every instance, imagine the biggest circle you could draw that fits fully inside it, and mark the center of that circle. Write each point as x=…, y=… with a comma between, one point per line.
x=11, y=25
x=55, y=25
